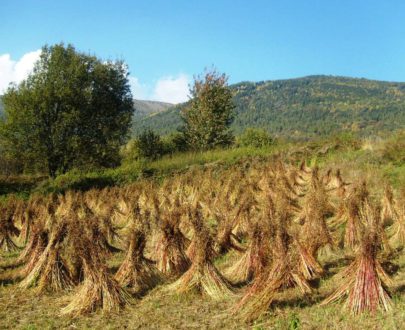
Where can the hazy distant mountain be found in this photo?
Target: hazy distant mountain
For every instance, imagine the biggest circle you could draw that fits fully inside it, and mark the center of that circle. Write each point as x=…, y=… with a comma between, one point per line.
x=305, y=107
x=145, y=108
x=141, y=108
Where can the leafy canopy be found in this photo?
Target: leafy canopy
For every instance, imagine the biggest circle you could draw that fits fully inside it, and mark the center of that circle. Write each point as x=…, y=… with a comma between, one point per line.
x=149, y=145
x=74, y=110
x=305, y=108
x=255, y=137
x=210, y=112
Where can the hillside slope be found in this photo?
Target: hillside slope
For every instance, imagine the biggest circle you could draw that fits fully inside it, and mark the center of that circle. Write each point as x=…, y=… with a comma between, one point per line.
x=305, y=107
x=141, y=108
x=145, y=108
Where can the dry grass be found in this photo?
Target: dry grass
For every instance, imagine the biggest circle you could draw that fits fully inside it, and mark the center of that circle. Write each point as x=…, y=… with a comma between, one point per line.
x=27, y=310
x=239, y=248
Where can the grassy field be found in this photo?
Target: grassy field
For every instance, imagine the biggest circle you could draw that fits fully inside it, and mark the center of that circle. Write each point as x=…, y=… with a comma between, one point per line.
x=384, y=157
x=377, y=162
x=27, y=310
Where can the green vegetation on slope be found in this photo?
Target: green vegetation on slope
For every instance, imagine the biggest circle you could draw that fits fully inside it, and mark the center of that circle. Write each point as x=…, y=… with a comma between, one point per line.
x=159, y=309
x=1, y=107
x=144, y=108
x=305, y=107
x=378, y=159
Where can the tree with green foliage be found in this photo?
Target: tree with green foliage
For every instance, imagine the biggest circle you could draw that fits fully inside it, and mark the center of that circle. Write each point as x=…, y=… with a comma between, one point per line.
x=74, y=110
x=174, y=142
x=210, y=112
x=254, y=137
x=304, y=108
x=149, y=145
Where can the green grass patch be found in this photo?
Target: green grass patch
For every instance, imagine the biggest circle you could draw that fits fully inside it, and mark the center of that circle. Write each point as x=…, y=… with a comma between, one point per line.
x=346, y=152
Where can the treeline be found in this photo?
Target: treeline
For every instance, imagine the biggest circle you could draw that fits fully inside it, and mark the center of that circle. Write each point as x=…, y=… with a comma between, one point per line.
x=74, y=111
x=306, y=107
x=149, y=145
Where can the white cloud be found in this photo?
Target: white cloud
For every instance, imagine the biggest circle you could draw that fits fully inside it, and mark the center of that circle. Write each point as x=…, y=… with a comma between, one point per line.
x=139, y=91
x=16, y=71
x=172, y=90
x=166, y=89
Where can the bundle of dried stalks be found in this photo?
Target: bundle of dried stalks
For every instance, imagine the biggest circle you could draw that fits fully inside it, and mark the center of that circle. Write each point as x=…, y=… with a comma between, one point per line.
x=348, y=214
x=170, y=248
x=101, y=227
x=35, y=209
x=364, y=281
x=37, y=243
x=137, y=273
x=281, y=273
x=388, y=210
x=98, y=289
x=7, y=227
x=396, y=231
x=255, y=258
x=241, y=228
x=314, y=233
x=50, y=270
x=202, y=275
x=225, y=239
x=20, y=207
x=291, y=266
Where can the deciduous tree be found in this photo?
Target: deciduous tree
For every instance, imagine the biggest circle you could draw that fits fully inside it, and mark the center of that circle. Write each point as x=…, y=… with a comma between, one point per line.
x=73, y=110
x=210, y=112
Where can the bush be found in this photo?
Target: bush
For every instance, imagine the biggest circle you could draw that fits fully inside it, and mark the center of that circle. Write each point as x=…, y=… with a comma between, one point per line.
x=175, y=142
x=148, y=145
x=254, y=137
x=10, y=166
x=74, y=179
x=394, y=149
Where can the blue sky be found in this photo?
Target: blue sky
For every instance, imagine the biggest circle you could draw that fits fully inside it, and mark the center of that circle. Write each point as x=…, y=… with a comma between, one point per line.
x=166, y=42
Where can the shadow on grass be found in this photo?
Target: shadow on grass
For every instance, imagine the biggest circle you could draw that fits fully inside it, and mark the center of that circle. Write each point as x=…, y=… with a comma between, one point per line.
x=399, y=289
x=333, y=267
x=90, y=183
x=390, y=268
x=9, y=277
x=300, y=301
x=9, y=265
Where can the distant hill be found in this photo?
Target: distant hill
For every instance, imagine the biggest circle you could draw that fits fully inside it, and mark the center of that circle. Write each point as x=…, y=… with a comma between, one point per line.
x=146, y=108
x=305, y=107
x=300, y=108
x=141, y=108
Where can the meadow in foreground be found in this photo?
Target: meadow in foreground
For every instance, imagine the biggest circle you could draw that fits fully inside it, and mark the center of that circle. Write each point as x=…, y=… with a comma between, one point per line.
x=259, y=244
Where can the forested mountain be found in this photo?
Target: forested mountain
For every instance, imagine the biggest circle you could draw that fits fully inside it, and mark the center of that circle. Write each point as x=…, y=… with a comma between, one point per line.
x=304, y=107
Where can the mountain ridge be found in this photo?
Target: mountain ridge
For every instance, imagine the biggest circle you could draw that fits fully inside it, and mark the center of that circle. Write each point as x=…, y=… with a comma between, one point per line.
x=141, y=107
x=299, y=107
x=149, y=107
x=305, y=107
